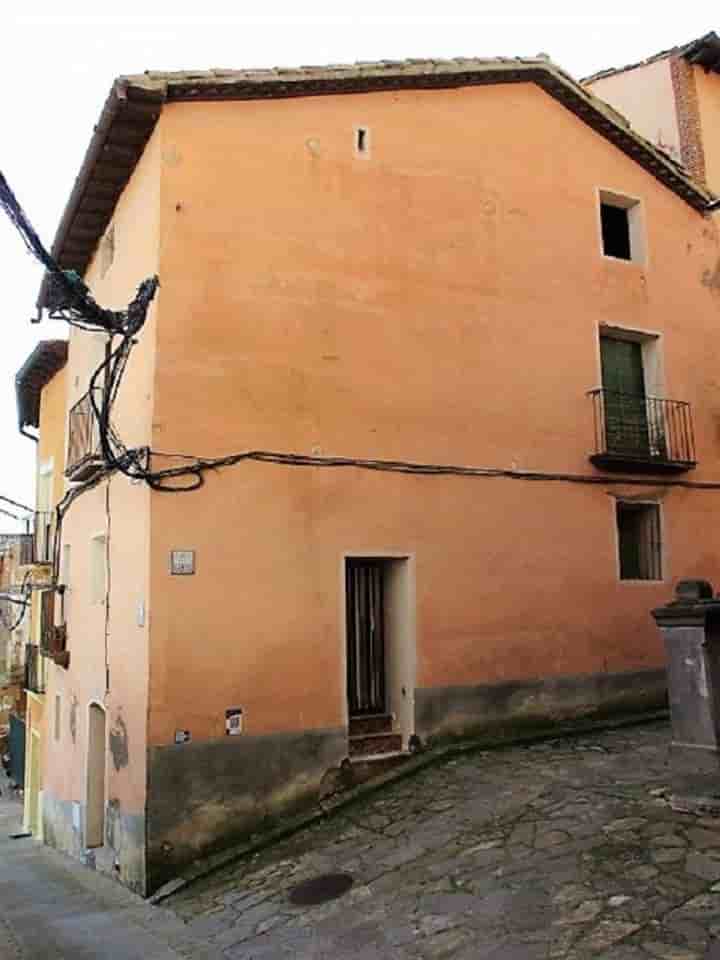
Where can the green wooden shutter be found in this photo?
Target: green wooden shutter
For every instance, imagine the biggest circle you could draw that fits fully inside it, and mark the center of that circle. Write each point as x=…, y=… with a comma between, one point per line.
x=626, y=426
x=622, y=368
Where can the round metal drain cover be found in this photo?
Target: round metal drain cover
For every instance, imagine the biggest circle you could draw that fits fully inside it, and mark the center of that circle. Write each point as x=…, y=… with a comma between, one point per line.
x=320, y=889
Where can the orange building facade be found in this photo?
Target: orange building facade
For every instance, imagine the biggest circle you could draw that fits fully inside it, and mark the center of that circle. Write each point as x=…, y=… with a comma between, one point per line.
x=476, y=268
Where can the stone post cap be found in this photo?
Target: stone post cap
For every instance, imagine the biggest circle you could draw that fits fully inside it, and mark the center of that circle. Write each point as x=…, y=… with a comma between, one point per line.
x=693, y=590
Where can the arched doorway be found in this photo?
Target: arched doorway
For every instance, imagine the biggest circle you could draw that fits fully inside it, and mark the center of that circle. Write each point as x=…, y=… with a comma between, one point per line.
x=95, y=809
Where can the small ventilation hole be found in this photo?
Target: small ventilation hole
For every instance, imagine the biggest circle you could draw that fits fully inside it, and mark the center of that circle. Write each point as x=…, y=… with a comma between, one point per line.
x=361, y=140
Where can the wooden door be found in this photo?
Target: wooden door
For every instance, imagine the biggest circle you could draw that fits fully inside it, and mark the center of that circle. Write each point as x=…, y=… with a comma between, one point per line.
x=626, y=421
x=365, y=637
x=95, y=807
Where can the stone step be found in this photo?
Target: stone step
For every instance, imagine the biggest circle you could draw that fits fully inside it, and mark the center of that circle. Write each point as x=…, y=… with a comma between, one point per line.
x=374, y=744
x=375, y=723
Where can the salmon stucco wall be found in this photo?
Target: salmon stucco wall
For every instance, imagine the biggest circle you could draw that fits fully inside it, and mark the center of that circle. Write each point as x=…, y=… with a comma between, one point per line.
x=435, y=298
x=645, y=96
x=707, y=85
x=107, y=634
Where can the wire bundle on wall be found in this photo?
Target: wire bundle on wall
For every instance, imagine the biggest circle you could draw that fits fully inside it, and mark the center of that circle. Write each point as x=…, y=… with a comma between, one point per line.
x=70, y=299
x=23, y=602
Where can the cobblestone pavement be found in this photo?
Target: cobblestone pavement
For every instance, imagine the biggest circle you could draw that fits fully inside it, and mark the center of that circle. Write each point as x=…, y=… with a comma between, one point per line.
x=565, y=849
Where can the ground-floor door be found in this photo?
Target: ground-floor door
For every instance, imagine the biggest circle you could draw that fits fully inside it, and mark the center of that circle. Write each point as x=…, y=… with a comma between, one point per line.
x=33, y=784
x=96, y=756
x=366, y=671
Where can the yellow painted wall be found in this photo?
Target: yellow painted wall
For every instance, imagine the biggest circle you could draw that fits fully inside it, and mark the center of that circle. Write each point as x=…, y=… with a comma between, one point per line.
x=50, y=449
x=52, y=439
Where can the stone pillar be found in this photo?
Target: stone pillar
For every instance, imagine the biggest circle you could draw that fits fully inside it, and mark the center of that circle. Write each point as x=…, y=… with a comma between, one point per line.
x=690, y=626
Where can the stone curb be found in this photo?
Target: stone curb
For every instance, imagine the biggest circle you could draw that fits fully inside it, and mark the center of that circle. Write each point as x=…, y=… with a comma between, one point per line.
x=432, y=756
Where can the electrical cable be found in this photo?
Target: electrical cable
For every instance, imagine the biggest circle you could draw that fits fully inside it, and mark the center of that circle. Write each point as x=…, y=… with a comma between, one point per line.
x=26, y=593
x=70, y=300
x=14, y=503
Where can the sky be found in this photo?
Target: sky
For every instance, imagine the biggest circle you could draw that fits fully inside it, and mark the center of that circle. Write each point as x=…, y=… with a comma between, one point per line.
x=58, y=62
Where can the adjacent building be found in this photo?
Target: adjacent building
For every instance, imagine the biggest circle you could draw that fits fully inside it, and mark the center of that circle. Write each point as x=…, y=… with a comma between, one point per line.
x=42, y=415
x=14, y=551
x=673, y=99
x=475, y=302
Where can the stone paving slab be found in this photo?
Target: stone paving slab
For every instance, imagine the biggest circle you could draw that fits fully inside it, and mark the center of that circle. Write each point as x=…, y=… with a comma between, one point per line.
x=53, y=908
x=563, y=850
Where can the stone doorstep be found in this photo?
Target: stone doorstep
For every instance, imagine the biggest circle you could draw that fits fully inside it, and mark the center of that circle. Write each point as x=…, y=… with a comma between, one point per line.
x=374, y=744
x=205, y=866
x=375, y=723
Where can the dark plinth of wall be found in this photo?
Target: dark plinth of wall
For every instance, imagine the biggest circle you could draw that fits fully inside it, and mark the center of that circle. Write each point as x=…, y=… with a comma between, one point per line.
x=467, y=711
x=207, y=795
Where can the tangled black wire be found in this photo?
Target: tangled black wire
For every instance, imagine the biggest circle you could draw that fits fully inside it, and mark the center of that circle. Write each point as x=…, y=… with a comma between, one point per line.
x=69, y=299
x=23, y=602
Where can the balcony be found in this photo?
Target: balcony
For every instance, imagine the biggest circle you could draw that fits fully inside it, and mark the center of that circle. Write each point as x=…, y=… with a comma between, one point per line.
x=84, y=458
x=34, y=669
x=37, y=545
x=53, y=637
x=638, y=434
x=25, y=548
x=43, y=536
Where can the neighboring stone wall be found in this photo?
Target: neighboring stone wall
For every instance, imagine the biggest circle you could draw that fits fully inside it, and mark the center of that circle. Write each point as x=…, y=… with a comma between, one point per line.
x=207, y=795
x=688, y=117
x=122, y=856
x=465, y=711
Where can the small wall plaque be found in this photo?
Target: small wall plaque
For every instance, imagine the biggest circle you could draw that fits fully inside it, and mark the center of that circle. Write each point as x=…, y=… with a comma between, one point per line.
x=182, y=562
x=233, y=721
x=182, y=736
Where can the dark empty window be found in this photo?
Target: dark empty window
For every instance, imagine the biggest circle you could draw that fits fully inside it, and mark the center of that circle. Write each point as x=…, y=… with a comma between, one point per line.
x=639, y=542
x=361, y=139
x=615, y=231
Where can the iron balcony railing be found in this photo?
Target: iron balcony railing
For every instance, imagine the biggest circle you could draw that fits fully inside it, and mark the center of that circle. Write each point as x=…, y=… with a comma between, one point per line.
x=26, y=548
x=640, y=432
x=53, y=636
x=35, y=669
x=43, y=536
x=37, y=544
x=83, y=453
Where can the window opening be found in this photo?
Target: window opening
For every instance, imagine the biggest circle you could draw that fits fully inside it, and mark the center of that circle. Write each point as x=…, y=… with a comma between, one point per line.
x=98, y=572
x=621, y=223
x=65, y=580
x=615, y=231
x=57, y=716
x=639, y=541
x=361, y=141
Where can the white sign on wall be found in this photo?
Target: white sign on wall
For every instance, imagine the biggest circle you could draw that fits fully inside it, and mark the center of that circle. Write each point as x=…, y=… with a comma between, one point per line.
x=233, y=721
x=182, y=562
